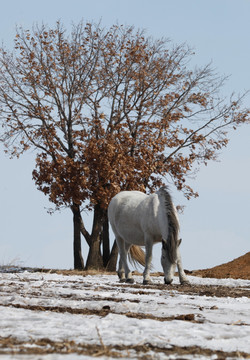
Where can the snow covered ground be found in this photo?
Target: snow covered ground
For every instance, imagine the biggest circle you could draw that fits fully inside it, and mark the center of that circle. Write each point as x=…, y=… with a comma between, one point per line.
x=46, y=316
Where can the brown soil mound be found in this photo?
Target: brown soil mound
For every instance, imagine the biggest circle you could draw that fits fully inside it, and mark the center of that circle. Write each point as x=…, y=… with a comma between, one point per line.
x=237, y=269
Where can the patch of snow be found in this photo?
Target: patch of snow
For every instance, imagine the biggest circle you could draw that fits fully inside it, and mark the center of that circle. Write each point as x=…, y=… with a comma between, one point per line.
x=221, y=323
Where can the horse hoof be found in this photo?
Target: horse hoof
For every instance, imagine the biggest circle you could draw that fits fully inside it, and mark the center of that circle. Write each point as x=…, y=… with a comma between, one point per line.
x=185, y=282
x=130, y=281
x=122, y=280
x=147, y=282
x=167, y=282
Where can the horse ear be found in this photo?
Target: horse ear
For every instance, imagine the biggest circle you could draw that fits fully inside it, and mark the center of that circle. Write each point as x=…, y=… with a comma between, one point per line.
x=179, y=242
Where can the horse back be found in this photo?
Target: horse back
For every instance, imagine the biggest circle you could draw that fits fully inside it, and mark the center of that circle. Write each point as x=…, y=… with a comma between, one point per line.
x=132, y=214
x=124, y=206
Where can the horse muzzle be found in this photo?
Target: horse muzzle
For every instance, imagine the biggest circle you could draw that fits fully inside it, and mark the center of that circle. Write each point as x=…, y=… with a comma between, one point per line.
x=168, y=282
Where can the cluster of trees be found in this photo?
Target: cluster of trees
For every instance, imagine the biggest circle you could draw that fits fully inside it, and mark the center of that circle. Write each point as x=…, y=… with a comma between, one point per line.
x=108, y=110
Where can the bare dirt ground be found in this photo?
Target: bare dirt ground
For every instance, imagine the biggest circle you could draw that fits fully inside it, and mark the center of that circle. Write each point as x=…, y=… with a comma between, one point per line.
x=46, y=346
x=237, y=269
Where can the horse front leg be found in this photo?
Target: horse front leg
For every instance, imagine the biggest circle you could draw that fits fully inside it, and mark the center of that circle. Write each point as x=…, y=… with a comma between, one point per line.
x=182, y=276
x=148, y=259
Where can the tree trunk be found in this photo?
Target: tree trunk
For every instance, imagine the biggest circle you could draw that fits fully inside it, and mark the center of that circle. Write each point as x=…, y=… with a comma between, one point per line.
x=94, y=260
x=78, y=259
x=105, y=240
x=111, y=265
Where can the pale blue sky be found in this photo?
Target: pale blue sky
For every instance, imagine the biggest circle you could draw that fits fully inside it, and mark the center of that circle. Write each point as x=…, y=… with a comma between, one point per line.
x=215, y=227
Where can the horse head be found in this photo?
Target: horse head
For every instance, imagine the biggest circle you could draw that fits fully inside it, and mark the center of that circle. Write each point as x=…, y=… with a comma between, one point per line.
x=167, y=262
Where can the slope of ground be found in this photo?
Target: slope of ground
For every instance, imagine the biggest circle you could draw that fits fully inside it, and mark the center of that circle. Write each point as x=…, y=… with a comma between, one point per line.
x=237, y=269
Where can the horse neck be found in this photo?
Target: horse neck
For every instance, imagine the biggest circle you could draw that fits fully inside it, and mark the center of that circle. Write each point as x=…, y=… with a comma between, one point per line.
x=167, y=215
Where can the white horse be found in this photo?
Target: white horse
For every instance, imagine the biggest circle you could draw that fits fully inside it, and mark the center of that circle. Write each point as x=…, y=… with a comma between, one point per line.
x=143, y=220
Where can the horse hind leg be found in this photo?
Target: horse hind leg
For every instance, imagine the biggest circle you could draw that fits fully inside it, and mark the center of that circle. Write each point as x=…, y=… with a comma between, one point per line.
x=148, y=259
x=124, y=272
x=128, y=273
x=121, y=271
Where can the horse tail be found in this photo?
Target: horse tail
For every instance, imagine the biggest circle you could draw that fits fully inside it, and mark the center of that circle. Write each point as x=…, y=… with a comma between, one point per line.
x=171, y=243
x=136, y=255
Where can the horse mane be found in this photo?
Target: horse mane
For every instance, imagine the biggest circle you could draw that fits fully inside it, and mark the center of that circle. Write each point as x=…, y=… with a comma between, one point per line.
x=173, y=225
